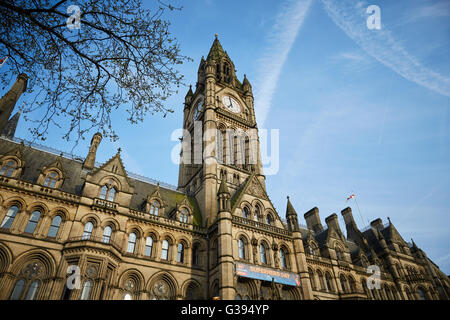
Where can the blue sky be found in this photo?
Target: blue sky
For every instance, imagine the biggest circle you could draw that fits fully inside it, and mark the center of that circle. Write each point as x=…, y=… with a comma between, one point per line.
x=363, y=111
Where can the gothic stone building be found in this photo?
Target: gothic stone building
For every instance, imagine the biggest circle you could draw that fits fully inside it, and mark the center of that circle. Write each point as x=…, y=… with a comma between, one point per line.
x=74, y=229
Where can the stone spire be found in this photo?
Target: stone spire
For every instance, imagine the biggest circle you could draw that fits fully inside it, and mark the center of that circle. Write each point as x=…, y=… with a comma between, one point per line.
x=90, y=159
x=291, y=216
x=216, y=52
x=9, y=100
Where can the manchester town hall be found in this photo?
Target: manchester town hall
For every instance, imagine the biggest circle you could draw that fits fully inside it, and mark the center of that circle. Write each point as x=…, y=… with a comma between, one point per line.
x=72, y=228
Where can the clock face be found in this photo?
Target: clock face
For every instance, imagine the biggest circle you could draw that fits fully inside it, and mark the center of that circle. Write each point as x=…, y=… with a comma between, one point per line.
x=198, y=109
x=231, y=104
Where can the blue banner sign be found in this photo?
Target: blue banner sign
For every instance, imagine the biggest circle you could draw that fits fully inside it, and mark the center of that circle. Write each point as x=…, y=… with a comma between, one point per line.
x=267, y=274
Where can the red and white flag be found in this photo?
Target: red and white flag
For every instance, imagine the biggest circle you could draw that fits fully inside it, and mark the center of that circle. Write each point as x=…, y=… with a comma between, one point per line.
x=2, y=61
x=351, y=196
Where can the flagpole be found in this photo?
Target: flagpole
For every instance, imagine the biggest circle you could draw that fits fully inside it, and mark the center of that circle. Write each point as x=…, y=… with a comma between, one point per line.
x=362, y=219
x=359, y=210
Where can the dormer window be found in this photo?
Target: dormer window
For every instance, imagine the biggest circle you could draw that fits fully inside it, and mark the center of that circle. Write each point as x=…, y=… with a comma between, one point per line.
x=51, y=179
x=184, y=215
x=154, y=208
x=8, y=168
x=312, y=249
x=108, y=193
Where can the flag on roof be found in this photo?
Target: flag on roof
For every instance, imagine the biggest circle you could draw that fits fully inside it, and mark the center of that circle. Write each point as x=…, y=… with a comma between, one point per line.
x=2, y=61
x=351, y=196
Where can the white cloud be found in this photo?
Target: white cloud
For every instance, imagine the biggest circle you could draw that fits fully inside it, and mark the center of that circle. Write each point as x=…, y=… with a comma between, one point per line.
x=280, y=40
x=383, y=46
x=436, y=10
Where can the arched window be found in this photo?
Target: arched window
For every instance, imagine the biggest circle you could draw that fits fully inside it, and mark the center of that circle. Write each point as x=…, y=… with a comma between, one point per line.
x=131, y=242
x=107, y=234
x=237, y=297
x=351, y=284
x=86, y=293
x=269, y=219
x=32, y=222
x=165, y=250
x=262, y=251
x=148, y=246
x=111, y=194
x=184, y=214
x=241, y=247
x=247, y=145
x=311, y=279
x=343, y=283
x=195, y=255
x=339, y=253
x=108, y=193
x=32, y=290
x=87, y=231
x=54, y=227
x=257, y=213
x=321, y=280
x=51, y=179
x=366, y=290
x=154, y=208
x=312, y=249
x=421, y=294
x=8, y=168
x=283, y=258
x=328, y=282
x=18, y=289
x=9, y=218
x=103, y=192
x=180, y=253
x=245, y=213
x=221, y=148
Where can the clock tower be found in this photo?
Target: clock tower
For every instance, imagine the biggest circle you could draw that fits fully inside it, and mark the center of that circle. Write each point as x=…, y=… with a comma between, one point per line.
x=220, y=140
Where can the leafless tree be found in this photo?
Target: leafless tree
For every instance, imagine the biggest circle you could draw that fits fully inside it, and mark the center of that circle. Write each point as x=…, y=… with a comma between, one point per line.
x=119, y=56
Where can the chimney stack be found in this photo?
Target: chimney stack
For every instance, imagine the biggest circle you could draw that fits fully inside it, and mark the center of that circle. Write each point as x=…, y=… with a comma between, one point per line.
x=9, y=100
x=89, y=162
x=313, y=220
x=332, y=222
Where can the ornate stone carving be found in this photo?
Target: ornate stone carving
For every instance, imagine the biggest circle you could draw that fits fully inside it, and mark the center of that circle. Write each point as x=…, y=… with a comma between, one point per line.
x=91, y=271
x=130, y=285
x=256, y=190
x=32, y=270
x=160, y=290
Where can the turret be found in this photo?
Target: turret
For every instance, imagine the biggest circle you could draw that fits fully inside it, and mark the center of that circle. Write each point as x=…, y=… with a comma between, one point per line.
x=246, y=86
x=188, y=97
x=291, y=217
x=223, y=196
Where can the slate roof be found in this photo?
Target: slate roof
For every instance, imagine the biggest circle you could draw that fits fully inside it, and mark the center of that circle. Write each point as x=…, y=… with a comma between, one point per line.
x=35, y=159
